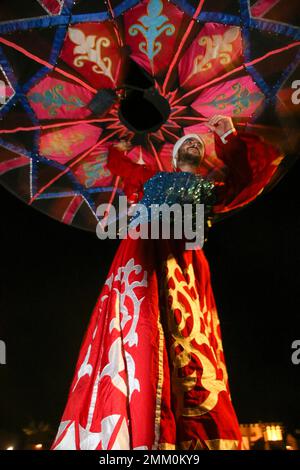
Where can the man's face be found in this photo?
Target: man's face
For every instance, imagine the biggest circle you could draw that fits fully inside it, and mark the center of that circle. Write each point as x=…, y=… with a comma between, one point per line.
x=190, y=152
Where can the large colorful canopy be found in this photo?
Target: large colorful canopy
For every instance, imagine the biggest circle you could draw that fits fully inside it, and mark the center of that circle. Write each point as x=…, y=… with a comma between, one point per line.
x=234, y=57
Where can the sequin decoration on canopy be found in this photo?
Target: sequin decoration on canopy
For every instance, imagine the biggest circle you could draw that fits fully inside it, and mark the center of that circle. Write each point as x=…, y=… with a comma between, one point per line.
x=72, y=72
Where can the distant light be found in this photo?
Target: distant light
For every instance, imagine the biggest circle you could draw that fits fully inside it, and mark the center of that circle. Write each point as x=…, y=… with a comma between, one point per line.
x=38, y=446
x=10, y=448
x=289, y=448
x=273, y=433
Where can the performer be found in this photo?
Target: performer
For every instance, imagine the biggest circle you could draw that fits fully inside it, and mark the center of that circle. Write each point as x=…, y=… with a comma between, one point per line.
x=151, y=372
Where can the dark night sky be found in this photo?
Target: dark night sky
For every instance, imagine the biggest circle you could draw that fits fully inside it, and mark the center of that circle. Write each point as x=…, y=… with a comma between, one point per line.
x=51, y=276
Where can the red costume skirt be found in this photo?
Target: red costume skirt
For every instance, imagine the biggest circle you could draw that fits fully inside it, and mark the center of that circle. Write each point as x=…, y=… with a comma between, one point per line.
x=151, y=371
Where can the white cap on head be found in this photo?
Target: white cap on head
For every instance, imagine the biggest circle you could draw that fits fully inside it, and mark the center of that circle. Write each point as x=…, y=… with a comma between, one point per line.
x=179, y=144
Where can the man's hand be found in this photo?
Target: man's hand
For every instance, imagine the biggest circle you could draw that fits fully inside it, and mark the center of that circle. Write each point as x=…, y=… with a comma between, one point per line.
x=123, y=145
x=220, y=124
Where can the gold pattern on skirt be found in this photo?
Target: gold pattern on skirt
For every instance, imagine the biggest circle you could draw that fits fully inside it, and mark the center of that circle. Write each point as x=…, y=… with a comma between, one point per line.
x=188, y=337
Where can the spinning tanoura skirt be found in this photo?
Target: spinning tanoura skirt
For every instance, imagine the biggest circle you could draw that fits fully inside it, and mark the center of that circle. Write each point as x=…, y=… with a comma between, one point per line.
x=151, y=371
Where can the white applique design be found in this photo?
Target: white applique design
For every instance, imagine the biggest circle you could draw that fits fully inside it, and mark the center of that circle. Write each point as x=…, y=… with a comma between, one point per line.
x=91, y=440
x=85, y=368
x=89, y=49
x=123, y=290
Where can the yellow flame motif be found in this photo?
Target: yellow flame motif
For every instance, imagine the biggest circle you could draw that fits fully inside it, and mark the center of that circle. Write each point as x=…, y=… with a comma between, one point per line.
x=60, y=144
x=188, y=337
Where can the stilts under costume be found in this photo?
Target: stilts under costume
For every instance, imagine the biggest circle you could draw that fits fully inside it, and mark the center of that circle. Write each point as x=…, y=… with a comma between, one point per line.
x=151, y=372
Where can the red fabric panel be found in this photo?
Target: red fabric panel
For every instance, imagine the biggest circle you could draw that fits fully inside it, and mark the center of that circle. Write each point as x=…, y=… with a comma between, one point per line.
x=151, y=372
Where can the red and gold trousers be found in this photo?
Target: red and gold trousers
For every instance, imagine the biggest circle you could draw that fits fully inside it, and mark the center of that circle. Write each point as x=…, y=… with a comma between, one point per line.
x=151, y=372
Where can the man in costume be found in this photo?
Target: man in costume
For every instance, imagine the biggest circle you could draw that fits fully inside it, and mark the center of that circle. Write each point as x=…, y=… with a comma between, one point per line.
x=151, y=372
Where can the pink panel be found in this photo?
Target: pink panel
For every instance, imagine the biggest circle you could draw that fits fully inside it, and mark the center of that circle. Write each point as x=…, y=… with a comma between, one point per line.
x=93, y=171
x=151, y=30
x=216, y=50
x=64, y=144
x=56, y=99
x=237, y=98
x=92, y=50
